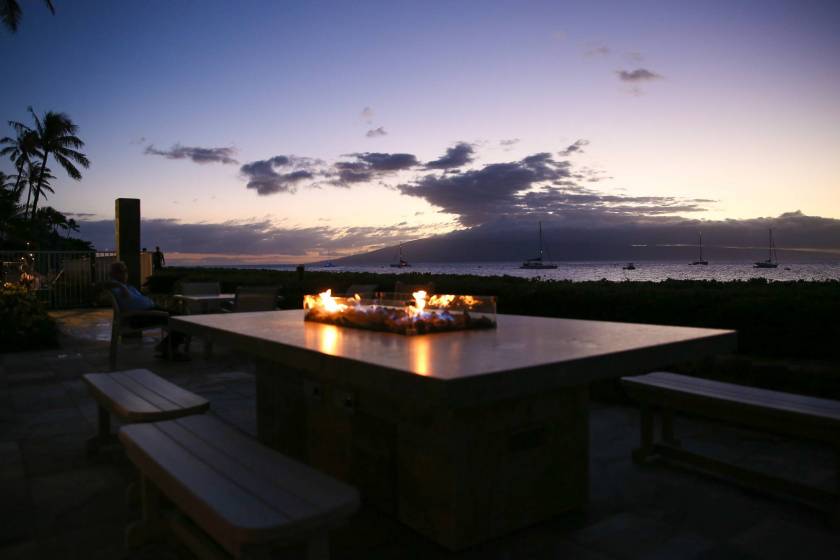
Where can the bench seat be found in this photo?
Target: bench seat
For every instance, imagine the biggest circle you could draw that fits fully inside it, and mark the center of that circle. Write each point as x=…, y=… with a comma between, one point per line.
x=239, y=492
x=776, y=412
x=138, y=395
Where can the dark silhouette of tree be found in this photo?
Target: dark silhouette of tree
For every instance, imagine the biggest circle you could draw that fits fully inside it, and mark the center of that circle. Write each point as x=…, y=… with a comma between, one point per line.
x=11, y=13
x=22, y=150
x=56, y=134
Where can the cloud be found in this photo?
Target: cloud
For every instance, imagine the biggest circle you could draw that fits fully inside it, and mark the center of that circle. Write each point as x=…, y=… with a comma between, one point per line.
x=195, y=154
x=536, y=186
x=638, y=75
x=368, y=166
x=367, y=115
x=577, y=147
x=261, y=237
x=264, y=177
x=481, y=194
x=508, y=142
x=596, y=49
x=457, y=156
x=376, y=132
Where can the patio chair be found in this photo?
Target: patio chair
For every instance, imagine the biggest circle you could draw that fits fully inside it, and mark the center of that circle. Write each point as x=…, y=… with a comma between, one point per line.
x=364, y=290
x=121, y=325
x=198, y=289
x=255, y=298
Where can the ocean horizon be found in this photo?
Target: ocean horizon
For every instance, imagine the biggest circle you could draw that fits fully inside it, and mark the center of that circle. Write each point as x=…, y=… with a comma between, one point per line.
x=585, y=271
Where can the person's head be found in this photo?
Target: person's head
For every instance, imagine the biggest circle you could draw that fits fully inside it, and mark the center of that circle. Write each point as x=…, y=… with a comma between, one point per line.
x=119, y=271
x=157, y=248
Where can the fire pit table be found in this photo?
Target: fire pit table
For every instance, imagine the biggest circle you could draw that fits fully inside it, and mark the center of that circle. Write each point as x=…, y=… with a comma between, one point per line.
x=463, y=436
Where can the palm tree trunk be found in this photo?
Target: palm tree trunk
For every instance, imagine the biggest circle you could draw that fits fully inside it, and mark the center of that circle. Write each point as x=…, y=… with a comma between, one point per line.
x=17, y=181
x=38, y=187
x=28, y=196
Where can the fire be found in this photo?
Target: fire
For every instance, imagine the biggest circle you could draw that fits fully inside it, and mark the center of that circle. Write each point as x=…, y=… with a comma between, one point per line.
x=419, y=303
x=423, y=313
x=325, y=301
x=441, y=301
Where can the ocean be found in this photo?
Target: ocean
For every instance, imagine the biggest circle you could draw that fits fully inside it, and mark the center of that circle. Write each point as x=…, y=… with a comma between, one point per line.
x=591, y=271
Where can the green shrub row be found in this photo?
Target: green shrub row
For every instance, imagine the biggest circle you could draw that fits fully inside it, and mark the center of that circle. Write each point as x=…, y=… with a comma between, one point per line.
x=773, y=319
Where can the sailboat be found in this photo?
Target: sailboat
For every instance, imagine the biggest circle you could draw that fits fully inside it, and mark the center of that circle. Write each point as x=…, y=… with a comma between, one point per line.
x=700, y=260
x=537, y=263
x=401, y=263
x=772, y=261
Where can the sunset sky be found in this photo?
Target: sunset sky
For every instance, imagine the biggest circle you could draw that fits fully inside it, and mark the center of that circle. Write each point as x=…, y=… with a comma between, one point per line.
x=333, y=127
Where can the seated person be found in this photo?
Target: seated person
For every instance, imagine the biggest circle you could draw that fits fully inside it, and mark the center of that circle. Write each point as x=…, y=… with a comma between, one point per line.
x=131, y=299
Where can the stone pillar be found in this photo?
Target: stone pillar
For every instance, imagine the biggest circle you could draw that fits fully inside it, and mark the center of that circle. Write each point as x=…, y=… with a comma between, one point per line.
x=127, y=225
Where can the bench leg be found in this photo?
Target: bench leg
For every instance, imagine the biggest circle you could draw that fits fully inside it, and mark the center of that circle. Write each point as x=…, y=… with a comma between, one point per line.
x=318, y=547
x=151, y=524
x=208, y=348
x=112, y=351
x=668, y=428
x=103, y=432
x=641, y=454
x=835, y=516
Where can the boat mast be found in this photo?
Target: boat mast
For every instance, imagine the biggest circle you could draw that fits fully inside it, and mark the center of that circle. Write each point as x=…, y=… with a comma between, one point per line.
x=701, y=246
x=770, y=246
x=541, y=248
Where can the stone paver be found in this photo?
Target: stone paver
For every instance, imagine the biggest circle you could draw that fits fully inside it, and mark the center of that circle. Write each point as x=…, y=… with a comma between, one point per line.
x=59, y=503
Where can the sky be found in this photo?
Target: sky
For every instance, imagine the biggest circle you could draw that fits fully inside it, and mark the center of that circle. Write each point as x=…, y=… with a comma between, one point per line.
x=298, y=131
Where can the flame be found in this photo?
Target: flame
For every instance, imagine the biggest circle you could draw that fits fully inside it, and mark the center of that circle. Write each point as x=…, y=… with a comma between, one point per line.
x=469, y=301
x=325, y=301
x=419, y=300
x=441, y=301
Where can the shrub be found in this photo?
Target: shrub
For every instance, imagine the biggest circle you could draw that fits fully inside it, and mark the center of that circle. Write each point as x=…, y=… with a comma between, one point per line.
x=24, y=322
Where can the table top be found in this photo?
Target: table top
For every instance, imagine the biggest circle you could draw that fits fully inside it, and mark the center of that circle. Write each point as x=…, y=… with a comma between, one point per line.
x=567, y=351
x=206, y=297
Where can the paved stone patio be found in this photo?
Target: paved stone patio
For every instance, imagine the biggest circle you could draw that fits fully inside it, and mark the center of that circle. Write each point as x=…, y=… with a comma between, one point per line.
x=55, y=502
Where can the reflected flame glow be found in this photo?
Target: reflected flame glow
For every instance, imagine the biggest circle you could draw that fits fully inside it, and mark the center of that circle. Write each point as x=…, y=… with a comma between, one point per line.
x=328, y=341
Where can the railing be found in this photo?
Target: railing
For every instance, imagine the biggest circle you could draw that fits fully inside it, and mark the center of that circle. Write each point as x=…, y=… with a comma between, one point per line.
x=62, y=279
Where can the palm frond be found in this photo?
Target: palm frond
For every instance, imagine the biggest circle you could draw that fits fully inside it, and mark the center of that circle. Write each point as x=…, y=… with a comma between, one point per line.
x=10, y=14
x=68, y=166
x=50, y=6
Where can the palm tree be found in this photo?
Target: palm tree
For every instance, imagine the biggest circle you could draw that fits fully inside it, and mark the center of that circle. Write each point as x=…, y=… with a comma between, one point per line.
x=34, y=174
x=5, y=182
x=21, y=150
x=10, y=13
x=72, y=225
x=56, y=134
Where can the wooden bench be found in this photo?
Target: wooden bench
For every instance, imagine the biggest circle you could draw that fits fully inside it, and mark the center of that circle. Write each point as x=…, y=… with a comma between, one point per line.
x=138, y=395
x=780, y=413
x=243, y=495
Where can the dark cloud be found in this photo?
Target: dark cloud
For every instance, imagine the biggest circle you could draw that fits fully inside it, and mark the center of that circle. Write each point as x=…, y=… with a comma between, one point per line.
x=376, y=132
x=367, y=115
x=368, y=166
x=457, y=156
x=638, y=75
x=279, y=174
x=242, y=239
x=537, y=185
x=573, y=148
x=195, y=154
x=481, y=194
